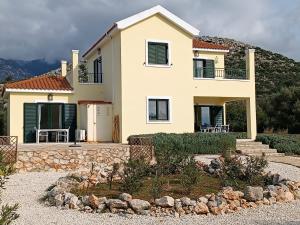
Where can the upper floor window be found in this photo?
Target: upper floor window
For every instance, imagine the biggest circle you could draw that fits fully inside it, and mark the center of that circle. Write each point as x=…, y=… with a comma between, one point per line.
x=204, y=68
x=98, y=74
x=157, y=53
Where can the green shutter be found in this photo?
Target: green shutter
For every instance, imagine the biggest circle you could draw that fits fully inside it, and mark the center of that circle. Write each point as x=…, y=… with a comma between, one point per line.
x=209, y=68
x=30, y=122
x=70, y=119
x=151, y=53
x=157, y=53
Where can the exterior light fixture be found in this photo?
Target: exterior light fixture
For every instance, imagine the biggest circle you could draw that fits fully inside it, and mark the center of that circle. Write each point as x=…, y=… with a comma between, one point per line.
x=50, y=97
x=196, y=53
x=99, y=51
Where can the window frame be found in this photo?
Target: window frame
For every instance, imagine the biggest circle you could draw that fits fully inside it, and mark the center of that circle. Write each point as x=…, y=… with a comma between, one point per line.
x=169, y=107
x=168, y=53
x=204, y=60
x=98, y=70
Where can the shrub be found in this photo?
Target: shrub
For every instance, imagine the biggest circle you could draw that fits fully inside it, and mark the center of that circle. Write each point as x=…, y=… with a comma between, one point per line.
x=283, y=143
x=189, y=176
x=157, y=187
x=134, y=172
x=250, y=170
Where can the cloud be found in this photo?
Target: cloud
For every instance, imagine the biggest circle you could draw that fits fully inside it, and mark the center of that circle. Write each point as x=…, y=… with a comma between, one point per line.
x=51, y=28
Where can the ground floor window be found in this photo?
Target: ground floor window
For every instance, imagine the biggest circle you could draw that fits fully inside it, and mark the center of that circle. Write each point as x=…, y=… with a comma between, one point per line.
x=158, y=109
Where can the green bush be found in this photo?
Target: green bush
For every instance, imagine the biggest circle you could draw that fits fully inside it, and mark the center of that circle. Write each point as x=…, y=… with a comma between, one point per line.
x=189, y=176
x=156, y=187
x=132, y=178
x=283, y=143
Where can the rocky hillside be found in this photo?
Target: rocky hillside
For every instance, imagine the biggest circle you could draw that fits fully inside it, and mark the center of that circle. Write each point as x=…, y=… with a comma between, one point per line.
x=273, y=70
x=20, y=69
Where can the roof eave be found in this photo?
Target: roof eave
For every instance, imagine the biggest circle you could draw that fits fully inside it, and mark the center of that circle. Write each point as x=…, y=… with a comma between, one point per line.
x=211, y=50
x=19, y=90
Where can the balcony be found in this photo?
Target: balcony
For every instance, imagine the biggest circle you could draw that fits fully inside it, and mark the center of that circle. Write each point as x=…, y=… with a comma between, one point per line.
x=220, y=73
x=90, y=78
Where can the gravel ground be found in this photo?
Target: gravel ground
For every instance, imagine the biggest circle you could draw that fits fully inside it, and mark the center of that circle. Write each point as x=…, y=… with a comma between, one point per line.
x=27, y=188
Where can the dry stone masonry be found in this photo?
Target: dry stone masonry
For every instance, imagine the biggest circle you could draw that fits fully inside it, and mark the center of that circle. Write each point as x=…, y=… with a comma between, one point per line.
x=226, y=201
x=61, y=157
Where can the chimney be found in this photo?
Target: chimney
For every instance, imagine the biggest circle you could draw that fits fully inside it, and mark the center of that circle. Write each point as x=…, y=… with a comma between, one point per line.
x=250, y=64
x=63, y=68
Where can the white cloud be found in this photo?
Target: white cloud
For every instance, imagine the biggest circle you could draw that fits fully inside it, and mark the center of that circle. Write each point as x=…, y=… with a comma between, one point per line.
x=51, y=28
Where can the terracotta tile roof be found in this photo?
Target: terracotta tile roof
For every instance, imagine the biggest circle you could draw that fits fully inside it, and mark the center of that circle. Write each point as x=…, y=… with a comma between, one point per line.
x=208, y=45
x=42, y=82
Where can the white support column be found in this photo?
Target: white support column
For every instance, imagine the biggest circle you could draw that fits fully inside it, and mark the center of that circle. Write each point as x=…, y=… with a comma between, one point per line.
x=75, y=61
x=224, y=113
x=251, y=101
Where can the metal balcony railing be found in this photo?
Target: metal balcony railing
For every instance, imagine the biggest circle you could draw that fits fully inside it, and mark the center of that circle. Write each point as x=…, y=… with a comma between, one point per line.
x=225, y=73
x=90, y=78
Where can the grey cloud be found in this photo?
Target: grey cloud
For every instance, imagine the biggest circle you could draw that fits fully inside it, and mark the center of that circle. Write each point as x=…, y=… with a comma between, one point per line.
x=51, y=28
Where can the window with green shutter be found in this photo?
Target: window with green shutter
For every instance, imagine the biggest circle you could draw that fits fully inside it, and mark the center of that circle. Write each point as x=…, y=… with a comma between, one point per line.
x=30, y=122
x=158, y=53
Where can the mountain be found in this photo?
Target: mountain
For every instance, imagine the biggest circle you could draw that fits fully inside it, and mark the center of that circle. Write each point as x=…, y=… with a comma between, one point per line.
x=20, y=69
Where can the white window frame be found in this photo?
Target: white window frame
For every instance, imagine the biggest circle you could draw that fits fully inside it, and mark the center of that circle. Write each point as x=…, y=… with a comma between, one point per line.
x=169, y=53
x=169, y=107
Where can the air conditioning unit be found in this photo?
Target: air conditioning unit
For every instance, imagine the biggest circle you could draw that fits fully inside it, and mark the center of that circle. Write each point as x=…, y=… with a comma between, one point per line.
x=80, y=135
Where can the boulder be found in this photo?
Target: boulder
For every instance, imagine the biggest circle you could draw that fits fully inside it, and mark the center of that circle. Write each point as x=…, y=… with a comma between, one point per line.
x=185, y=201
x=203, y=200
x=101, y=208
x=253, y=193
x=85, y=200
x=296, y=194
x=116, y=204
x=125, y=197
x=201, y=208
x=58, y=200
x=272, y=200
x=139, y=205
x=55, y=191
x=284, y=196
x=165, y=201
x=93, y=201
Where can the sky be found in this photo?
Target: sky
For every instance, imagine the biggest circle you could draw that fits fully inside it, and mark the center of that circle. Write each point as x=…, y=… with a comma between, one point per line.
x=50, y=29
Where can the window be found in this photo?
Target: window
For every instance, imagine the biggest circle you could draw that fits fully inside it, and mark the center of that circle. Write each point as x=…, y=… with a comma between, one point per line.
x=158, y=53
x=98, y=70
x=204, y=68
x=158, y=109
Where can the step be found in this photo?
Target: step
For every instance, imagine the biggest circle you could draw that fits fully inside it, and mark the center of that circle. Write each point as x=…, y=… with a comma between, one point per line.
x=253, y=147
x=249, y=143
x=267, y=154
x=258, y=151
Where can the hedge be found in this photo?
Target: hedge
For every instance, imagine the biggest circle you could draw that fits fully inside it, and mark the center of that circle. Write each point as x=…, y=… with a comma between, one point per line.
x=283, y=143
x=191, y=143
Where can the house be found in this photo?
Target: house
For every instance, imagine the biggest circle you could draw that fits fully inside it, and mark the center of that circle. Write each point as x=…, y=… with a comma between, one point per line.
x=148, y=73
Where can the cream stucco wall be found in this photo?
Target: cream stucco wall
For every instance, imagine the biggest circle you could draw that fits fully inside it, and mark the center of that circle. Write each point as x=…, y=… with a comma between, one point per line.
x=16, y=109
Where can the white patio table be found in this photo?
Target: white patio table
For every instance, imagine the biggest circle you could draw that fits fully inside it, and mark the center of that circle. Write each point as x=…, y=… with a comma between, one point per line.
x=38, y=131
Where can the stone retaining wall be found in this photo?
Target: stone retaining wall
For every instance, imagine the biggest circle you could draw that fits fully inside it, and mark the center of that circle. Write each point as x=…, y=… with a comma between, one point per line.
x=61, y=157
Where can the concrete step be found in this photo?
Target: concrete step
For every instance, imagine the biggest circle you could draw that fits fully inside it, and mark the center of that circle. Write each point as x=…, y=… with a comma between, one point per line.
x=257, y=151
x=267, y=154
x=253, y=147
x=252, y=143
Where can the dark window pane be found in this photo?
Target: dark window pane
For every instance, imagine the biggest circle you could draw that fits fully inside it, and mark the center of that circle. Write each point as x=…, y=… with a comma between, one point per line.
x=163, y=109
x=152, y=109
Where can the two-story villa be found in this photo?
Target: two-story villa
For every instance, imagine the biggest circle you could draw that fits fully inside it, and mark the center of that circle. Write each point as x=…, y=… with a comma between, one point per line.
x=148, y=73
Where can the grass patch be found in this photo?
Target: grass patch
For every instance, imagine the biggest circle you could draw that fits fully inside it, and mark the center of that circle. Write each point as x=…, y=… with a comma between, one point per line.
x=172, y=187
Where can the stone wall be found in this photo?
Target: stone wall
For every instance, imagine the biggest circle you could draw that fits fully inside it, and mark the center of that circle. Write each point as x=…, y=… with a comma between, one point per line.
x=61, y=157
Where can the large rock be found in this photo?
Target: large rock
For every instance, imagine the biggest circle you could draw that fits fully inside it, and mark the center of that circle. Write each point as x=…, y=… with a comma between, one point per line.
x=139, y=205
x=201, y=208
x=185, y=201
x=254, y=193
x=284, y=196
x=58, y=200
x=116, y=204
x=165, y=201
x=93, y=201
x=55, y=191
x=203, y=200
x=125, y=197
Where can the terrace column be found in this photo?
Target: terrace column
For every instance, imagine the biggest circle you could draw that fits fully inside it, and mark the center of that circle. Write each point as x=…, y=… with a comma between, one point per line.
x=63, y=68
x=251, y=101
x=75, y=61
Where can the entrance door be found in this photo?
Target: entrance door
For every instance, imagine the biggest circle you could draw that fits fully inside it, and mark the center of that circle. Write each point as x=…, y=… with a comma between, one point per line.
x=99, y=122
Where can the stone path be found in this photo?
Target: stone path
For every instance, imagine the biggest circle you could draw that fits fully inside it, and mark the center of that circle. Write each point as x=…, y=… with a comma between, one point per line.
x=291, y=160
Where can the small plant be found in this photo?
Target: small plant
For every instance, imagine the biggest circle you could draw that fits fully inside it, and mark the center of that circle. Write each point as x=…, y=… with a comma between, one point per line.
x=7, y=213
x=111, y=174
x=134, y=172
x=157, y=187
x=254, y=168
x=189, y=175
